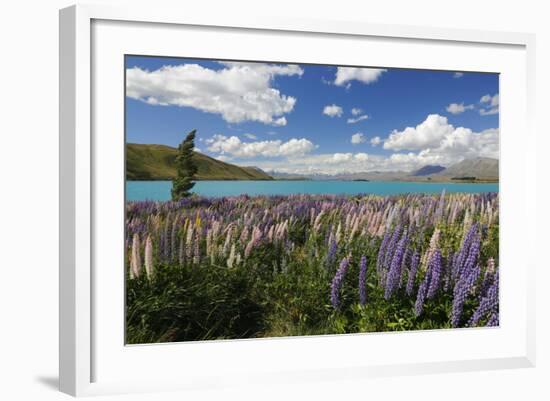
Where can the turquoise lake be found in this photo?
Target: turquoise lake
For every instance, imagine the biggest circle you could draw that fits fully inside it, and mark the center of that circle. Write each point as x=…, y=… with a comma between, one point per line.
x=160, y=190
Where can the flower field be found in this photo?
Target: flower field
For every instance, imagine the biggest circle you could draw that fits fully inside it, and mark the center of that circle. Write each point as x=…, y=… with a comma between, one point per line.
x=247, y=267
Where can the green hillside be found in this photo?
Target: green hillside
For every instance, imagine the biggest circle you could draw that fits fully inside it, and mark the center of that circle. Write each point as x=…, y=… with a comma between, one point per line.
x=156, y=162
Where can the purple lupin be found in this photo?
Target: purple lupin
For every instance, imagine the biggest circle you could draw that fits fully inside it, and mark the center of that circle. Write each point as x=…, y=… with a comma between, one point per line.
x=461, y=291
x=337, y=282
x=435, y=274
x=394, y=273
x=415, y=261
x=488, y=304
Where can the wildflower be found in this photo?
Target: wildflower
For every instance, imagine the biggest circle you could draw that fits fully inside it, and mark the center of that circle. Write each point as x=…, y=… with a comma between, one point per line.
x=394, y=273
x=487, y=305
x=436, y=271
x=462, y=289
x=135, y=260
x=231, y=258
x=415, y=260
x=434, y=243
x=149, y=257
x=337, y=282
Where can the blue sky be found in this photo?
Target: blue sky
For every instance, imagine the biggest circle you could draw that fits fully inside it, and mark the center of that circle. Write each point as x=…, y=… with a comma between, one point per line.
x=300, y=118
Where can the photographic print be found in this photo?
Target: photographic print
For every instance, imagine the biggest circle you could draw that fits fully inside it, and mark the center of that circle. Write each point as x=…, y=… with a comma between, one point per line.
x=273, y=199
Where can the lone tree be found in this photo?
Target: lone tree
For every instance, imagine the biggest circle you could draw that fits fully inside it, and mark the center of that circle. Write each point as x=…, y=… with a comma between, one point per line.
x=185, y=168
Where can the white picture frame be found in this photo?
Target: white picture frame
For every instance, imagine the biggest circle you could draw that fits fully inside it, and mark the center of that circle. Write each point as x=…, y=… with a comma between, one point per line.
x=89, y=362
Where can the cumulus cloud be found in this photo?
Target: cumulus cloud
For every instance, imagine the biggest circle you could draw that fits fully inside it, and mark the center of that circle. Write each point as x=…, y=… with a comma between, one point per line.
x=345, y=75
x=490, y=104
x=375, y=141
x=427, y=134
x=357, y=119
x=251, y=136
x=356, y=111
x=357, y=138
x=458, y=75
x=439, y=142
x=434, y=141
x=234, y=147
x=333, y=111
x=341, y=157
x=457, y=108
x=238, y=92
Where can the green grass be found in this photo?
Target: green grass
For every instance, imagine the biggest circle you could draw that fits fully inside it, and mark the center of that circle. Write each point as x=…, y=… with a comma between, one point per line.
x=157, y=162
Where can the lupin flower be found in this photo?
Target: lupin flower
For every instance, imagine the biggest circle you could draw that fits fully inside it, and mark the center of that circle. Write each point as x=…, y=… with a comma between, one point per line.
x=394, y=273
x=436, y=270
x=149, y=257
x=462, y=289
x=231, y=258
x=420, y=298
x=493, y=320
x=382, y=251
x=135, y=260
x=415, y=261
x=337, y=282
x=196, y=248
x=227, y=240
x=487, y=305
x=363, y=280
x=434, y=243
x=331, y=254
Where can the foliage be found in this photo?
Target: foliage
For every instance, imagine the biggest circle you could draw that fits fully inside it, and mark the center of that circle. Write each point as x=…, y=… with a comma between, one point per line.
x=245, y=267
x=186, y=168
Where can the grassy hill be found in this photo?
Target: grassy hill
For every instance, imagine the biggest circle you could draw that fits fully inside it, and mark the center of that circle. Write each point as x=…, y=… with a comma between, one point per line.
x=157, y=162
x=482, y=168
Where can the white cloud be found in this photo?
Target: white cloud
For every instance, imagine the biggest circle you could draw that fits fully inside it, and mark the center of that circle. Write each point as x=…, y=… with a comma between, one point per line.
x=457, y=108
x=365, y=75
x=238, y=92
x=375, y=141
x=333, y=111
x=491, y=104
x=233, y=146
x=357, y=138
x=356, y=120
x=341, y=157
x=461, y=144
x=251, y=136
x=356, y=111
x=438, y=142
x=425, y=135
x=458, y=75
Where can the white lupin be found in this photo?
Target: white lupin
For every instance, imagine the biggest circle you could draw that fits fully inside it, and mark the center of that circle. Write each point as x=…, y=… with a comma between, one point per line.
x=149, y=257
x=135, y=262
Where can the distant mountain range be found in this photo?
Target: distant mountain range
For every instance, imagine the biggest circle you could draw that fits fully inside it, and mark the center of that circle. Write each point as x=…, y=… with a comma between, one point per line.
x=428, y=170
x=157, y=162
x=472, y=170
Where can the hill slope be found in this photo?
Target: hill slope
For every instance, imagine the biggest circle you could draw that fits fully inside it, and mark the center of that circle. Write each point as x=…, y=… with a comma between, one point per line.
x=480, y=167
x=157, y=162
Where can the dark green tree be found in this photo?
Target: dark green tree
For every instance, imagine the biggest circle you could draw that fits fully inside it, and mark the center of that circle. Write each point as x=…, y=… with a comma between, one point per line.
x=186, y=168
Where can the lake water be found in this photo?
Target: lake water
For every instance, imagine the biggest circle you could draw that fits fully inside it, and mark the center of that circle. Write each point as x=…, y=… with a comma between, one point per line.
x=160, y=190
